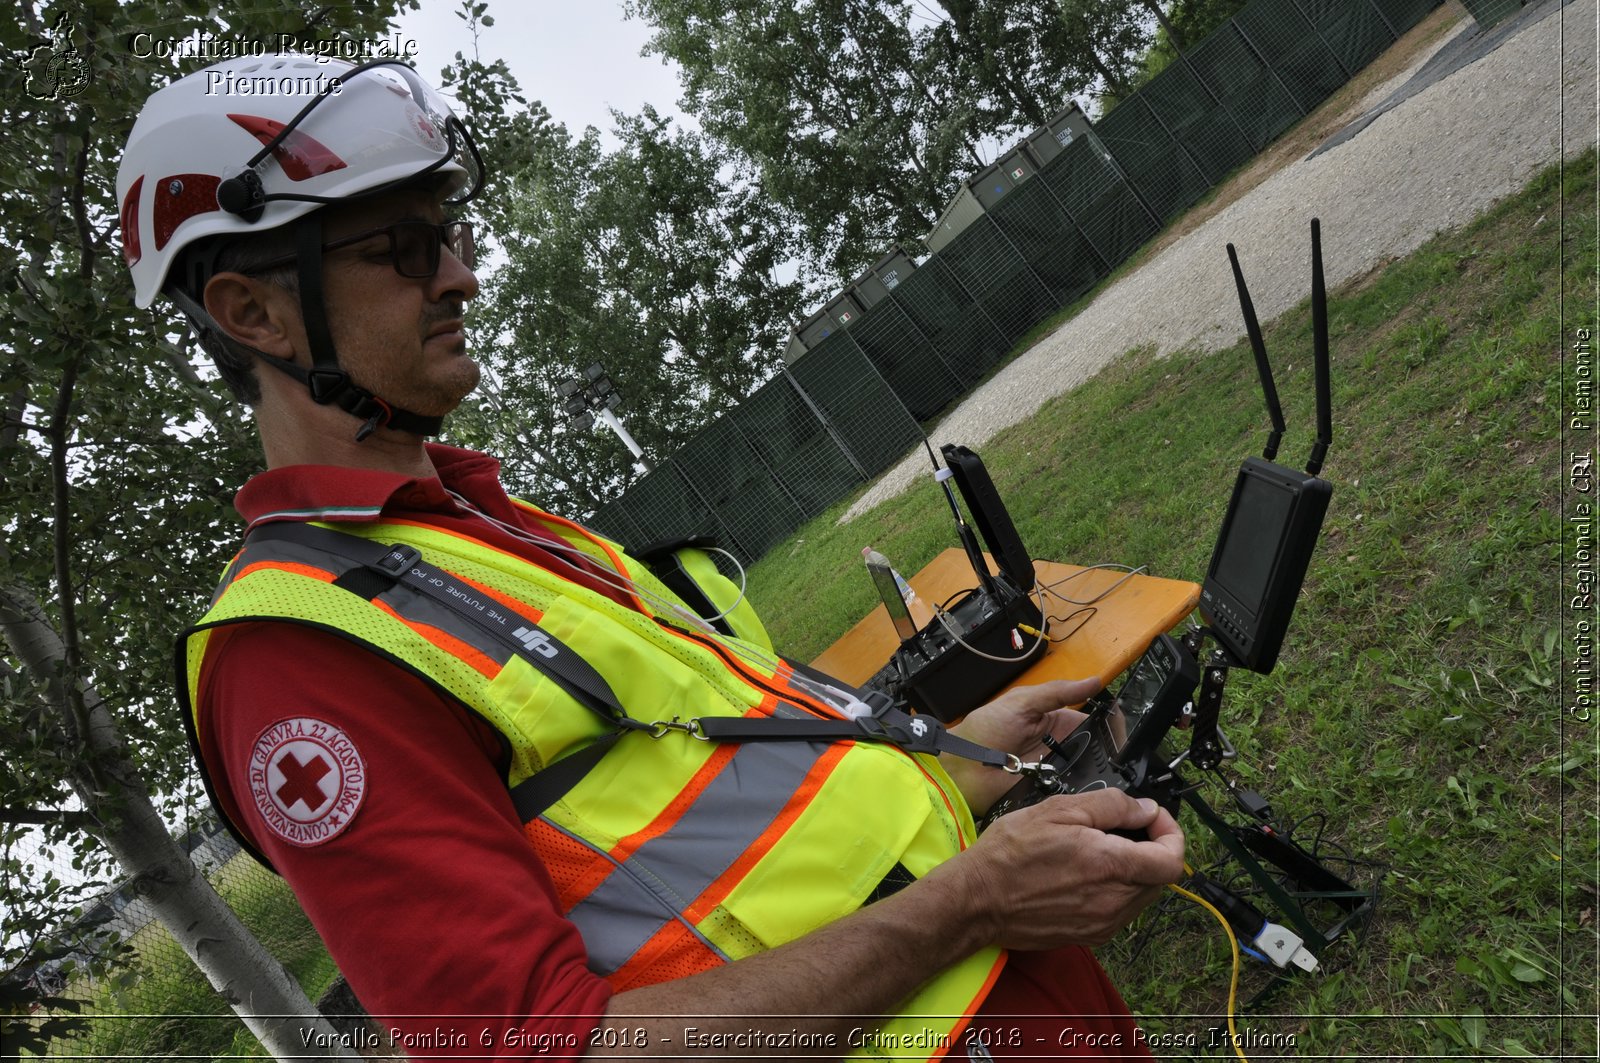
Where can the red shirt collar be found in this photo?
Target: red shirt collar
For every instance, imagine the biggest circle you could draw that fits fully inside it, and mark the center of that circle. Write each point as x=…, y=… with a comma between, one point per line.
x=338, y=493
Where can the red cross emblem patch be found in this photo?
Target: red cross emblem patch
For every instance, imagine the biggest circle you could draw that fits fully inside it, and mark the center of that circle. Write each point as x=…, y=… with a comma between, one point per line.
x=307, y=779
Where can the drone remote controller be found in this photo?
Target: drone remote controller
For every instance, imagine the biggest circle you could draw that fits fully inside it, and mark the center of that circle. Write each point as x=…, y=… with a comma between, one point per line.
x=1117, y=747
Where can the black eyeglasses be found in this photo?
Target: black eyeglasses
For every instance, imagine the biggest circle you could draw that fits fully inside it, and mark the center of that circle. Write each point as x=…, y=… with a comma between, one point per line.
x=413, y=246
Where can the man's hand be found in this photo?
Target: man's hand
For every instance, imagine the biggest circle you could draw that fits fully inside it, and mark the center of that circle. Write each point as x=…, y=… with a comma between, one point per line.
x=1041, y=877
x=1016, y=722
x=1050, y=875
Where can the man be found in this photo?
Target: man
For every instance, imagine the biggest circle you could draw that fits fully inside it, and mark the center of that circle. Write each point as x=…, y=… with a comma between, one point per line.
x=516, y=840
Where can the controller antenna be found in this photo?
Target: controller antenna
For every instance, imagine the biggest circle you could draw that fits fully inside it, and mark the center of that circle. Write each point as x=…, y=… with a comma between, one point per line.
x=1252, y=329
x=1319, y=332
x=969, y=541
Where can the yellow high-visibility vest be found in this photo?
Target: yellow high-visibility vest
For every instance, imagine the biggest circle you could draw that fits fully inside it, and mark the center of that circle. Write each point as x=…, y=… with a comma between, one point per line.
x=673, y=855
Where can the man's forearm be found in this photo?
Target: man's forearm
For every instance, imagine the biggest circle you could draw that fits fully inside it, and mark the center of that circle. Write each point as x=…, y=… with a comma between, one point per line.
x=1044, y=876
x=830, y=981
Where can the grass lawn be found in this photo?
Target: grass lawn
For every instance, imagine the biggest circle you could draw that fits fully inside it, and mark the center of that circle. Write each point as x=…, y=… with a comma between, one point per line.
x=163, y=1006
x=1413, y=722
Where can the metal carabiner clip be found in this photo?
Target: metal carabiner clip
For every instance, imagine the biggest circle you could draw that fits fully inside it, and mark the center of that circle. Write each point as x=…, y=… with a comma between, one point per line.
x=692, y=728
x=1042, y=772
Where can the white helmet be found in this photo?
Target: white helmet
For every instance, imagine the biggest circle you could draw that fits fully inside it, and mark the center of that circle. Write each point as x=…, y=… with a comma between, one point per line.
x=253, y=143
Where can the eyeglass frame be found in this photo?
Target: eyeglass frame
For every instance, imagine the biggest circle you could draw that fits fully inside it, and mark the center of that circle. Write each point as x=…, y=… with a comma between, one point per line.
x=464, y=241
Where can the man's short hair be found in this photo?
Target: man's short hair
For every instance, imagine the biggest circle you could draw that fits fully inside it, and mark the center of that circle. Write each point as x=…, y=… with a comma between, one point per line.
x=235, y=362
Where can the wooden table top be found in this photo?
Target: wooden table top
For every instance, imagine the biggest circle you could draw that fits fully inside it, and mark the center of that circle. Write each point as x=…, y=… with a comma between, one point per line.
x=1112, y=638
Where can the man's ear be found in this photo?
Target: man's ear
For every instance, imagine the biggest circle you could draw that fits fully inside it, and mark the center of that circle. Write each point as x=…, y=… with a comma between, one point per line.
x=257, y=313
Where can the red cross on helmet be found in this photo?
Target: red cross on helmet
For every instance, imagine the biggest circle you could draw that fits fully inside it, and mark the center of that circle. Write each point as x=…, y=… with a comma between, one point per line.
x=253, y=143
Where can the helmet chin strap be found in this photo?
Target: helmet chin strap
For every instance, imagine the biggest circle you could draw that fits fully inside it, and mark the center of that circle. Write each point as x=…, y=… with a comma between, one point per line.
x=327, y=382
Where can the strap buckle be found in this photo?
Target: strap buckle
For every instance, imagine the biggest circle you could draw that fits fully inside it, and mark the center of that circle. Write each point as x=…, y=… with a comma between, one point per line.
x=878, y=702
x=326, y=385
x=661, y=728
x=398, y=560
x=1042, y=772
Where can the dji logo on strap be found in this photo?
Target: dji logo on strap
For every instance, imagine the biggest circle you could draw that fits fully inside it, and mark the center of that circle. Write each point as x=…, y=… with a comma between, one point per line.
x=919, y=727
x=535, y=640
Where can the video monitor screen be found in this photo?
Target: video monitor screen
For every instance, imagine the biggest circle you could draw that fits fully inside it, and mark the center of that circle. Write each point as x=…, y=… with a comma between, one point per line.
x=1135, y=700
x=1254, y=536
x=889, y=591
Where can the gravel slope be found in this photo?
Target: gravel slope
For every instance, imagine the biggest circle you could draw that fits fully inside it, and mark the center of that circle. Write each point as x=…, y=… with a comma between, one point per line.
x=1432, y=162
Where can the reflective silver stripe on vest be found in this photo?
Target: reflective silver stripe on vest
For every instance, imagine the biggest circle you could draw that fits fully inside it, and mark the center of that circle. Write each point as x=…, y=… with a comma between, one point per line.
x=410, y=604
x=665, y=875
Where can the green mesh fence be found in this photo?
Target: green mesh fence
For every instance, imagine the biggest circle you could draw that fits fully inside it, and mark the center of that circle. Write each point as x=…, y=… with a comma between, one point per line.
x=850, y=407
x=869, y=419
x=962, y=338
x=662, y=505
x=792, y=439
x=1354, y=30
x=1292, y=48
x=1090, y=187
x=1208, y=132
x=1056, y=250
x=988, y=265
x=740, y=486
x=906, y=360
x=1252, y=94
x=1158, y=167
x=616, y=521
x=1404, y=14
x=1489, y=12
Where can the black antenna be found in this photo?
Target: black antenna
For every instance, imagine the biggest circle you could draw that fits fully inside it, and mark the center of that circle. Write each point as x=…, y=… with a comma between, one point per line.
x=1319, y=332
x=969, y=541
x=1252, y=329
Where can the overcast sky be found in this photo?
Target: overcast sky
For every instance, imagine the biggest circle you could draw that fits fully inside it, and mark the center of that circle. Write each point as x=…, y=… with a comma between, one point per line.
x=580, y=57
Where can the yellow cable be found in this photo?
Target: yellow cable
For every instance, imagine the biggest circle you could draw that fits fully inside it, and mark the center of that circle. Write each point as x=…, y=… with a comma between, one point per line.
x=1233, y=941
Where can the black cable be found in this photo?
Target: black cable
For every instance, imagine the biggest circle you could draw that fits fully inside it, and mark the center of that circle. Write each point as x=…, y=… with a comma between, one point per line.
x=1053, y=619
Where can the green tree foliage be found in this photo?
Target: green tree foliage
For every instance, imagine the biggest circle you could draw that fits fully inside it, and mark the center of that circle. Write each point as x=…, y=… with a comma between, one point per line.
x=833, y=104
x=653, y=259
x=1110, y=38
x=1010, y=61
x=118, y=456
x=1194, y=19
x=862, y=116
x=1187, y=23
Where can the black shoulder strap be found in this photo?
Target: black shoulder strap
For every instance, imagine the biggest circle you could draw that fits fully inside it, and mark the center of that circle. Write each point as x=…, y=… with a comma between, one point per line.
x=381, y=567
x=378, y=567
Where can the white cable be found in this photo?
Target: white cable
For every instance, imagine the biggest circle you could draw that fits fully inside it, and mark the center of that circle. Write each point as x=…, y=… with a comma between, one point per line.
x=1130, y=573
x=839, y=699
x=743, y=580
x=950, y=626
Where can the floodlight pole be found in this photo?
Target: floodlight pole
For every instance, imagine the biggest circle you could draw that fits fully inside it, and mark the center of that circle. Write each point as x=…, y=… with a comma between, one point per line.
x=606, y=417
x=592, y=397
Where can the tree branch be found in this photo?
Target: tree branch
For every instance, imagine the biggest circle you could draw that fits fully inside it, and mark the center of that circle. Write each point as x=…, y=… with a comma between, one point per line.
x=43, y=817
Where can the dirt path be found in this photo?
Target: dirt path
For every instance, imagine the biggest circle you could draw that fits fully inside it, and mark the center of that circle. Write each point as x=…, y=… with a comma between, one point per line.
x=1430, y=162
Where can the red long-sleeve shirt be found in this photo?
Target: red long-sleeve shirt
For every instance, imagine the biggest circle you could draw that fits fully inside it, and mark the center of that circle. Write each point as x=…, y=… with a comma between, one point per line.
x=418, y=878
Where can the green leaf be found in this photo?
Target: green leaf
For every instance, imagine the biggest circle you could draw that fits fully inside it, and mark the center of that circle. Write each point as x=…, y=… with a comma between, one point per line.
x=1524, y=972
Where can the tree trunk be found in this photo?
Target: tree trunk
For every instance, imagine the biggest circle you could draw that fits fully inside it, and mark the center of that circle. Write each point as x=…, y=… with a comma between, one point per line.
x=238, y=966
x=1113, y=82
x=1172, y=33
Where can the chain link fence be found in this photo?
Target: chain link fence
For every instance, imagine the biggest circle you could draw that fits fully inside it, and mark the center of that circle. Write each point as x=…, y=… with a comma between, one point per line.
x=851, y=406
